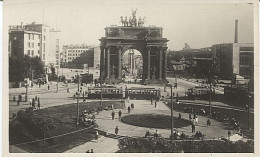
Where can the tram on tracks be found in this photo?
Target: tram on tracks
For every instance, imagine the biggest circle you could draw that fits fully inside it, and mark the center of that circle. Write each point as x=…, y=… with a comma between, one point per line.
x=143, y=93
x=109, y=92
x=199, y=92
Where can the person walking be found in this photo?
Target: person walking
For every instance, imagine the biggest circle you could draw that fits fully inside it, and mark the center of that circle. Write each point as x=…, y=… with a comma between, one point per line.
x=155, y=104
x=129, y=109
x=196, y=120
x=96, y=136
x=116, y=130
x=229, y=134
x=208, y=122
x=190, y=116
x=39, y=105
x=179, y=116
x=192, y=128
x=119, y=114
x=152, y=101
x=48, y=86
x=113, y=115
x=33, y=103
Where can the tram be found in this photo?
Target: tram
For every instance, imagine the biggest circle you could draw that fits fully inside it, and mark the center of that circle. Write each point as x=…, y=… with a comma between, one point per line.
x=199, y=92
x=109, y=92
x=143, y=93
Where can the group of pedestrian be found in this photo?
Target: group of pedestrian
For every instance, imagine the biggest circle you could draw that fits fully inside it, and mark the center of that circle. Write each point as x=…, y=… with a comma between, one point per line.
x=35, y=101
x=119, y=114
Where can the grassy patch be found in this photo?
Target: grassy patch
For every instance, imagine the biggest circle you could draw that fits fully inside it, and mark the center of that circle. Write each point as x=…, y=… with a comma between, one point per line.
x=63, y=119
x=154, y=121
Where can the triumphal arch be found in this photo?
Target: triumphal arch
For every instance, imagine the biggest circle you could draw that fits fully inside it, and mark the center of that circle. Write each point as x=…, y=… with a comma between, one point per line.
x=148, y=40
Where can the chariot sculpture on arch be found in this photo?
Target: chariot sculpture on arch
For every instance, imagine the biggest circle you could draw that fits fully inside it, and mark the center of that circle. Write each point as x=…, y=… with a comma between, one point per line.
x=132, y=21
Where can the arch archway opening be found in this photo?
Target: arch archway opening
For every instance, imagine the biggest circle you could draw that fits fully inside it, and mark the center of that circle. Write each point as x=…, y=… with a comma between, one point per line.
x=132, y=65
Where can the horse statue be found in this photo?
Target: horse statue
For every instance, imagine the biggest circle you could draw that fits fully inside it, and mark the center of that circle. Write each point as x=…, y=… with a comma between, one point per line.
x=122, y=21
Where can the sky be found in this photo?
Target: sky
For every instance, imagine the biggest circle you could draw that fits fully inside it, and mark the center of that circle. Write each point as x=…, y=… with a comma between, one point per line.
x=83, y=21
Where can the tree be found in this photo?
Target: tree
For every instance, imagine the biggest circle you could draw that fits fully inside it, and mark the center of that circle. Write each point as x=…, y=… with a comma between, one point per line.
x=21, y=67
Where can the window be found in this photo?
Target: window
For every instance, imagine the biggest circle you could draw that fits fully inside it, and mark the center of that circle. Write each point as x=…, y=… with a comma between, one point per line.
x=38, y=51
x=32, y=45
x=44, y=47
x=43, y=56
x=39, y=44
x=57, y=41
x=57, y=47
x=29, y=36
x=33, y=36
x=44, y=37
x=32, y=52
x=29, y=44
x=28, y=52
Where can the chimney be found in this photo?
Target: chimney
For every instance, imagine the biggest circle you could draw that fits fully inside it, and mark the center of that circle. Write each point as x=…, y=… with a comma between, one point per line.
x=236, y=31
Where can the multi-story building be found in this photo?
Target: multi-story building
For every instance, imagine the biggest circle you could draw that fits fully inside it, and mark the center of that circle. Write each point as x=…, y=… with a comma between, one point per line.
x=71, y=52
x=234, y=58
x=33, y=40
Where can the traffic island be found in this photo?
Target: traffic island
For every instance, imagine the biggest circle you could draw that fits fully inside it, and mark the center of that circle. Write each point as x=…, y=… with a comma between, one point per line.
x=154, y=121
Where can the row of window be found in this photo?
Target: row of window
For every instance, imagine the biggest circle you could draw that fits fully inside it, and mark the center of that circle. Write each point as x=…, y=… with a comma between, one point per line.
x=71, y=58
x=77, y=50
x=31, y=36
x=32, y=44
x=74, y=54
x=31, y=52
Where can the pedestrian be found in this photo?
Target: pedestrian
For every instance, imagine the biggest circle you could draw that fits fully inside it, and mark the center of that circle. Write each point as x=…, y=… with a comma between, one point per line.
x=179, y=115
x=33, y=103
x=39, y=106
x=152, y=101
x=68, y=90
x=116, y=130
x=36, y=97
x=96, y=136
x=229, y=134
x=208, y=122
x=156, y=134
x=194, y=115
x=48, y=87
x=155, y=104
x=129, y=109
x=192, y=128
x=196, y=120
x=246, y=107
x=190, y=116
x=113, y=115
x=119, y=114
x=20, y=97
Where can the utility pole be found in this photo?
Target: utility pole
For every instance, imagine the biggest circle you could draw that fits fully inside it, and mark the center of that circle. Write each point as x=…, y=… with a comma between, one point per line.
x=78, y=101
x=249, y=97
x=172, y=125
x=57, y=80
x=210, y=88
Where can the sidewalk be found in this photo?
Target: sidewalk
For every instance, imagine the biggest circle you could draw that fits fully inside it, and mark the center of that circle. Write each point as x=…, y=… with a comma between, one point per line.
x=103, y=145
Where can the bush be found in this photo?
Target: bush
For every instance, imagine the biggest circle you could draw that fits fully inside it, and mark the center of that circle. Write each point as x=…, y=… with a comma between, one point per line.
x=141, y=145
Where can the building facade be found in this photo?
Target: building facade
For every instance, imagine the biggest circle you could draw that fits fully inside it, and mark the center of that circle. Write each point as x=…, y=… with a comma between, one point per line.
x=233, y=58
x=33, y=40
x=71, y=52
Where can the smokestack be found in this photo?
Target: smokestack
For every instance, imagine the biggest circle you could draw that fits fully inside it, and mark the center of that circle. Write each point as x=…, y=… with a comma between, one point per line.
x=236, y=31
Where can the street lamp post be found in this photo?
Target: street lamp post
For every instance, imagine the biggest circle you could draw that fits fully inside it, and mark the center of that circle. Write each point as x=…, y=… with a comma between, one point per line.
x=249, y=97
x=210, y=89
x=172, y=125
x=172, y=122
x=78, y=101
x=26, y=94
